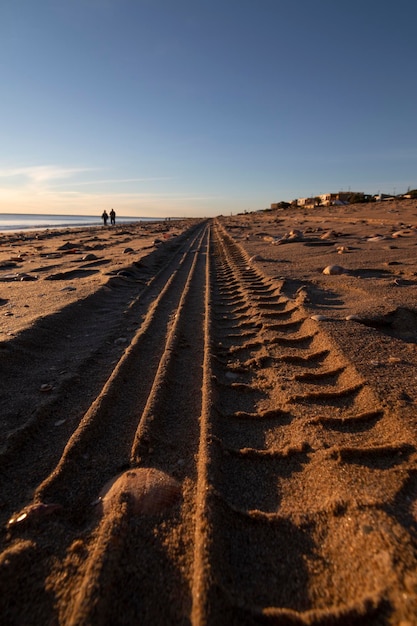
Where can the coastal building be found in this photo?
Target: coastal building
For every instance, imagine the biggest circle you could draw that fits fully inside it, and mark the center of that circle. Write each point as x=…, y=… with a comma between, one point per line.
x=307, y=203
x=327, y=199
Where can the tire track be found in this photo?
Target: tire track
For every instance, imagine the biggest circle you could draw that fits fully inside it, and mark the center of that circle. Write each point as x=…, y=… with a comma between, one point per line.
x=107, y=441
x=270, y=530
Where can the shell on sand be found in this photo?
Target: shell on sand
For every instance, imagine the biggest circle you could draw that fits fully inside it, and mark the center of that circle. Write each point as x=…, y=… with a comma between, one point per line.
x=334, y=270
x=148, y=491
x=402, y=233
x=33, y=512
x=328, y=235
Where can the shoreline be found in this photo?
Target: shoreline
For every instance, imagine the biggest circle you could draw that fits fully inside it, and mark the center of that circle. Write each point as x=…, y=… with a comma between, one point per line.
x=121, y=221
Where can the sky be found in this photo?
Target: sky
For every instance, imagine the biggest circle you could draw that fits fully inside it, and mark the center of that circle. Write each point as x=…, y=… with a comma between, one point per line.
x=203, y=107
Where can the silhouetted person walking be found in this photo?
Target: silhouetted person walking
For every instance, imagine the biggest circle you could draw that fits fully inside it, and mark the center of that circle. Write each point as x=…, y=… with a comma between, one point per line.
x=105, y=217
x=112, y=217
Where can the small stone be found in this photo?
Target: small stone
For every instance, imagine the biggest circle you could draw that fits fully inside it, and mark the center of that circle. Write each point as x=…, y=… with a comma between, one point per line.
x=46, y=387
x=319, y=318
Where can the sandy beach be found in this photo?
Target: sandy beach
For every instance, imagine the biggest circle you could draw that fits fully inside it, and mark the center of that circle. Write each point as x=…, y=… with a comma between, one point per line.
x=211, y=421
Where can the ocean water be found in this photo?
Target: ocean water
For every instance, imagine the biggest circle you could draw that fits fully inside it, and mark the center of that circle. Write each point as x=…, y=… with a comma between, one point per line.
x=34, y=221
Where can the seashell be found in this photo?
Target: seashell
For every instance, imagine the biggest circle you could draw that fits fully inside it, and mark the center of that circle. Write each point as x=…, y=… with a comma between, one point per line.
x=45, y=387
x=89, y=257
x=319, y=318
x=328, y=235
x=33, y=512
x=148, y=491
x=27, y=277
x=402, y=233
x=334, y=270
x=256, y=257
x=352, y=318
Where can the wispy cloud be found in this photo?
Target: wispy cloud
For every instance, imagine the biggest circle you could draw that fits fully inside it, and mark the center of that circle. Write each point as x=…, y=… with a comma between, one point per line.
x=108, y=181
x=43, y=173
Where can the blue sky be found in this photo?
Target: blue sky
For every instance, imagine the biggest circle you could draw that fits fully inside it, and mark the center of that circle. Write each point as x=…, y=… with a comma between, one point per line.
x=202, y=107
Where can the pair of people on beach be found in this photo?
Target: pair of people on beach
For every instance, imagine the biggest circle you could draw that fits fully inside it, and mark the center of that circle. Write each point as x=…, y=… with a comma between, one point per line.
x=105, y=217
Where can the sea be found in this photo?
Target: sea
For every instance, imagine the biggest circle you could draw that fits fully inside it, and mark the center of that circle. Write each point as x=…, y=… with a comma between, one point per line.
x=37, y=221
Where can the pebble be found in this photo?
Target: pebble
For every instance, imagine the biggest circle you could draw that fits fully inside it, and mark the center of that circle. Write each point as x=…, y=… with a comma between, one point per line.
x=319, y=318
x=120, y=340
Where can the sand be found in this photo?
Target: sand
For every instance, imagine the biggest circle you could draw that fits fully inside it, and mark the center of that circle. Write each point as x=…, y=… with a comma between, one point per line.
x=201, y=426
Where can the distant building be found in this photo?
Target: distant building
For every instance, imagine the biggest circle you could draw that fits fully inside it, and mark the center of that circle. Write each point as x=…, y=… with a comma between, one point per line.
x=327, y=199
x=341, y=197
x=307, y=203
